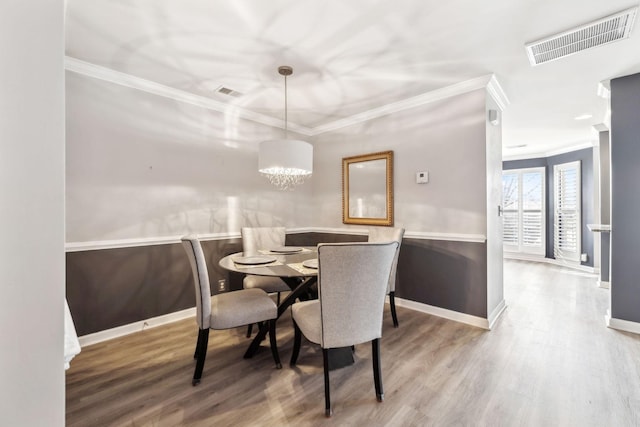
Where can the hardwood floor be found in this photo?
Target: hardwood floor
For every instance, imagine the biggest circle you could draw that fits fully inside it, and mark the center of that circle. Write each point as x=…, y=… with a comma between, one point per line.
x=549, y=361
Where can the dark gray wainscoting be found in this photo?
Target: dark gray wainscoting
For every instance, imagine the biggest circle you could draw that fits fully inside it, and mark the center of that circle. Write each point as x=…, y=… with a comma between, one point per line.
x=445, y=274
x=108, y=288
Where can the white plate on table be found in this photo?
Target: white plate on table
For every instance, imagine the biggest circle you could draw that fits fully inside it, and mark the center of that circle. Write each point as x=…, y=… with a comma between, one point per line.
x=310, y=263
x=254, y=260
x=286, y=249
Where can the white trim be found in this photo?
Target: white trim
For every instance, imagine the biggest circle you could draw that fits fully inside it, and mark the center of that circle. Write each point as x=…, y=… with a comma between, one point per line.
x=138, y=83
x=444, y=313
x=621, y=325
x=497, y=93
x=141, y=241
x=123, y=330
x=544, y=154
x=604, y=285
x=495, y=314
x=166, y=240
x=415, y=101
x=537, y=258
x=489, y=82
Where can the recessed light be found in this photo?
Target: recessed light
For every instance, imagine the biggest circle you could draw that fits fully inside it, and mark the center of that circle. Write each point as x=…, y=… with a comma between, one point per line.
x=583, y=117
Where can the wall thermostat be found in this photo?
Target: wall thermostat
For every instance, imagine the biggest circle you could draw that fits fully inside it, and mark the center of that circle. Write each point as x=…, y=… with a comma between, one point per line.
x=422, y=177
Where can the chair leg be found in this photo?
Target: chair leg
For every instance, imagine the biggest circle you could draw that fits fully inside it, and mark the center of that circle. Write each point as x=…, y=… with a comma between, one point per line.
x=297, y=339
x=278, y=299
x=377, y=373
x=327, y=398
x=249, y=330
x=203, y=341
x=198, y=345
x=392, y=303
x=274, y=343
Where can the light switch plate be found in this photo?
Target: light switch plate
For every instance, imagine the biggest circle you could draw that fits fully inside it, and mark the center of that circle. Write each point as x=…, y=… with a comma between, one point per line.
x=422, y=177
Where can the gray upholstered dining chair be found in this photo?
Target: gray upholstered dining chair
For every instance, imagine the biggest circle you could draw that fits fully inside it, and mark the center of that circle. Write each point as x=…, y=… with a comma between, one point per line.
x=352, y=284
x=255, y=239
x=389, y=234
x=227, y=310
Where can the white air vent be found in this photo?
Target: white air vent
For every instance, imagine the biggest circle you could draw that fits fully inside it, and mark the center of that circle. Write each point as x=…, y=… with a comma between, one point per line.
x=229, y=92
x=603, y=31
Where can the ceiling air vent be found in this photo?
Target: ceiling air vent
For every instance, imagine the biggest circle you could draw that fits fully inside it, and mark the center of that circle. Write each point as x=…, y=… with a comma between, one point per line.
x=603, y=31
x=229, y=92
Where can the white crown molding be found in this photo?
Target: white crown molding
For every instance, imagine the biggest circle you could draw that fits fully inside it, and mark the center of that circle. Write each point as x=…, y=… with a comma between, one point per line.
x=128, y=80
x=544, y=154
x=497, y=93
x=109, y=75
x=167, y=240
x=415, y=101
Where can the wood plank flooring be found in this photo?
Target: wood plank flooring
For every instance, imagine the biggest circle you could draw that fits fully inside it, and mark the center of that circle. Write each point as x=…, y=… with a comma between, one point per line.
x=550, y=361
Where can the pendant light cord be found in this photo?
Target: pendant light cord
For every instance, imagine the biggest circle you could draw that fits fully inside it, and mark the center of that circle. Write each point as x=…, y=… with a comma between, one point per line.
x=286, y=129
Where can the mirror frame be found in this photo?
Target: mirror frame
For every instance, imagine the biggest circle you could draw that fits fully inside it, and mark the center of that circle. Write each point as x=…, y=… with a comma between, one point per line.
x=346, y=162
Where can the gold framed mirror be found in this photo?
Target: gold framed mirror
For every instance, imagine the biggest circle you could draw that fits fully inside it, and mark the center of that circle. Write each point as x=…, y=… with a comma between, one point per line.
x=367, y=189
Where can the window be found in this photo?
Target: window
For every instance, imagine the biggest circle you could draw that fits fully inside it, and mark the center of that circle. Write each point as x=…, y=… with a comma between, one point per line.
x=567, y=214
x=523, y=196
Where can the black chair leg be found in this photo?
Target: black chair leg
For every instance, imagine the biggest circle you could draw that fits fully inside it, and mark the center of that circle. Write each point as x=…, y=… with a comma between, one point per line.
x=198, y=345
x=297, y=339
x=327, y=398
x=274, y=343
x=392, y=303
x=377, y=373
x=249, y=330
x=203, y=342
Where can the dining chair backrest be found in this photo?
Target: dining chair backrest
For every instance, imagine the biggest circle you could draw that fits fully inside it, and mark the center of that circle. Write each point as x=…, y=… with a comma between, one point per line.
x=256, y=238
x=388, y=234
x=198, y=263
x=352, y=282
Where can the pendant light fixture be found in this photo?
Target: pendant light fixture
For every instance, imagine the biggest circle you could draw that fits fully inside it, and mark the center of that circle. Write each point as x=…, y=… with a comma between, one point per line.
x=285, y=162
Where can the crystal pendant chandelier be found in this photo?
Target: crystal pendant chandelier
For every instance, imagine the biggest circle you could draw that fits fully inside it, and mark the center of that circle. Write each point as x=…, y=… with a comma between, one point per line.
x=285, y=162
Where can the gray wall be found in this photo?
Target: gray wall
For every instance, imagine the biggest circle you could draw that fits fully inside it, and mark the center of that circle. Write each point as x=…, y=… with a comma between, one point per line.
x=625, y=202
x=113, y=287
x=585, y=157
x=32, y=213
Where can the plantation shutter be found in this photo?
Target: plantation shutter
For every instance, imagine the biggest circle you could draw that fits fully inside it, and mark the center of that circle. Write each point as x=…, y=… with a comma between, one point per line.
x=523, y=194
x=567, y=217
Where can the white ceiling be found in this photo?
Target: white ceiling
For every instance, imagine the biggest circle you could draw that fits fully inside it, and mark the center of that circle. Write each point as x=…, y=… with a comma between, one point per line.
x=350, y=56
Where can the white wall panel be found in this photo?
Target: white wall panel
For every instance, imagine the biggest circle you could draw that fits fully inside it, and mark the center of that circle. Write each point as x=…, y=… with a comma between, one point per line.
x=445, y=138
x=140, y=165
x=32, y=269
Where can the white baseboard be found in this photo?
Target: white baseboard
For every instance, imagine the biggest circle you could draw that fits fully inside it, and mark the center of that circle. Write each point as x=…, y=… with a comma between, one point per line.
x=621, y=325
x=495, y=314
x=541, y=258
x=123, y=330
x=444, y=313
x=603, y=284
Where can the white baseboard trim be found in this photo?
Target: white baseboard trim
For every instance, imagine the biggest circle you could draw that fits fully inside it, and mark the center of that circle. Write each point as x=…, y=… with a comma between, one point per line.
x=444, y=313
x=604, y=285
x=539, y=258
x=123, y=330
x=621, y=325
x=495, y=314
